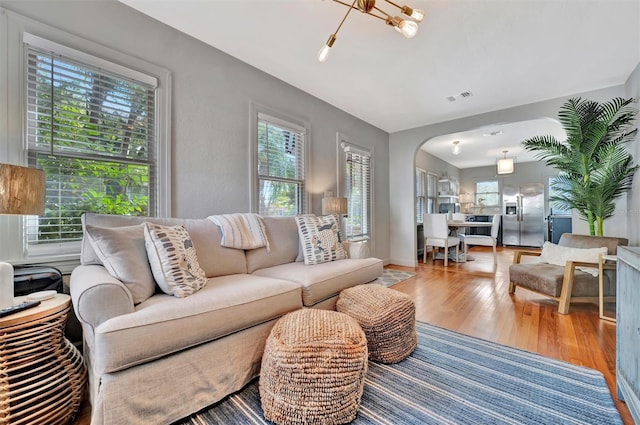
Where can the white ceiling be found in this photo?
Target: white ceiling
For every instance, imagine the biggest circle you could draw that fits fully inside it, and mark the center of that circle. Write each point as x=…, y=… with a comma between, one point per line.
x=507, y=52
x=482, y=146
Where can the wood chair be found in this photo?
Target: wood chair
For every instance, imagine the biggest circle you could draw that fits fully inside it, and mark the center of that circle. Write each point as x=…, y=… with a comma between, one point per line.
x=436, y=235
x=565, y=284
x=485, y=240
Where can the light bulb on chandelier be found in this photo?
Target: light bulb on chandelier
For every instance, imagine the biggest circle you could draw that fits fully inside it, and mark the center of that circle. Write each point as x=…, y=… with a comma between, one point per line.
x=406, y=27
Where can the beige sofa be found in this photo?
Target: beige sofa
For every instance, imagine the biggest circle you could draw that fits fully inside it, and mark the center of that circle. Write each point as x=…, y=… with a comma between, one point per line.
x=167, y=357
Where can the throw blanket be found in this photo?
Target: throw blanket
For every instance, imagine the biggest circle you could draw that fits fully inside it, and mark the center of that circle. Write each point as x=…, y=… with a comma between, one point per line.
x=241, y=231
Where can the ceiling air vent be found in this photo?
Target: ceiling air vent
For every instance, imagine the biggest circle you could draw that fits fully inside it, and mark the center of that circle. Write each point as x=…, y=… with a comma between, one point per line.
x=462, y=95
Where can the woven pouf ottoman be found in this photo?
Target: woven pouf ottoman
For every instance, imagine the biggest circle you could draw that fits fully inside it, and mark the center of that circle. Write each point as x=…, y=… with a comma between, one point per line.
x=313, y=368
x=387, y=317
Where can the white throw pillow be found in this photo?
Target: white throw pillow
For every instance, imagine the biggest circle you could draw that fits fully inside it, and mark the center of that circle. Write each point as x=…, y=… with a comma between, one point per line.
x=122, y=251
x=559, y=255
x=173, y=259
x=320, y=239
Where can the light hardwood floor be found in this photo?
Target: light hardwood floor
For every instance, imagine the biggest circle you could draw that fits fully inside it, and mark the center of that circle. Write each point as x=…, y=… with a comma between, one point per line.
x=473, y=298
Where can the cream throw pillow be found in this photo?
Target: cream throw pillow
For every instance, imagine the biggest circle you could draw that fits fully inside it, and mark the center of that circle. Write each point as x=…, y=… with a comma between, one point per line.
x=122, y=251
x=173, y=259
x=320, y=239
x=559, y=255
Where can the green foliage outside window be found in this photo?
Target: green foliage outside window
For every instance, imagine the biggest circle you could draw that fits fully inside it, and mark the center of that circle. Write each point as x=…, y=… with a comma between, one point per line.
x=280, y=171
x=96, y=151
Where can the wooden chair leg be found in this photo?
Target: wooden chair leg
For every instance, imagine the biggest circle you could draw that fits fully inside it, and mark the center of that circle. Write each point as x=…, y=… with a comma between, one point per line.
x=567, y=287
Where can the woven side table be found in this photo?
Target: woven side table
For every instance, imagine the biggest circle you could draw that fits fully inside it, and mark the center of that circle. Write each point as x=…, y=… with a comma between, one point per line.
x=42, y=375
x=387, y=317
x=313, y=369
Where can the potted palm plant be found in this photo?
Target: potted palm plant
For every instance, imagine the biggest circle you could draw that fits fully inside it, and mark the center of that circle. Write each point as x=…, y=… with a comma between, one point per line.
x=595, y=167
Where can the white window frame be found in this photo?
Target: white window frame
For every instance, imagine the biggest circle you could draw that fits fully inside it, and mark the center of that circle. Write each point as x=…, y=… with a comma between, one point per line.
x=257, y=112
x=343, y=145
x=16, y=29
x=477, y=194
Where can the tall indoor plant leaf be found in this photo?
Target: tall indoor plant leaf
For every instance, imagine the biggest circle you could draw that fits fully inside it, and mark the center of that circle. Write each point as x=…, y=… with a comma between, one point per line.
x=595, y=167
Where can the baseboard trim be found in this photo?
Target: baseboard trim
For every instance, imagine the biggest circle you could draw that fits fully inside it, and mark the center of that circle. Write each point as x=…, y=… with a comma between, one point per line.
x=629, y=397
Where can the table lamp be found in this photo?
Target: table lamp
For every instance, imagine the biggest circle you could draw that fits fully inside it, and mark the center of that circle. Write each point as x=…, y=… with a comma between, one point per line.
x=334, y=205
x=22, y=191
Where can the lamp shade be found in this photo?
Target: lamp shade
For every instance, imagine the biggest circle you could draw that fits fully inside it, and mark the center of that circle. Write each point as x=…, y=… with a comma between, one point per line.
x=334, y=206
x=505, y=165
x=22, y=190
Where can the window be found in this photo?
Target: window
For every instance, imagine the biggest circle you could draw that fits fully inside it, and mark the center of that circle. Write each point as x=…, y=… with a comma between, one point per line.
x=487, y=193
x=556, y=187
x=280, y=167
x=432, y=192
x=421, y=194
x=356, y=163
x=92, y=126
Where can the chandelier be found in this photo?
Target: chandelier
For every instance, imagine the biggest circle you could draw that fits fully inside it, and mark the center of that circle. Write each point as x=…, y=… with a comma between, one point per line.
x=407, y=27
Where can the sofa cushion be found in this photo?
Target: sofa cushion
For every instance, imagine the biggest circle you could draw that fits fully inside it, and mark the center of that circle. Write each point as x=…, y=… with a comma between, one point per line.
x=214, y=259
x=320, y=239
x=173, y=259
x=547, y=279
x=282, y=233
x=322, y=281
x=164, y=324
x=122, y=251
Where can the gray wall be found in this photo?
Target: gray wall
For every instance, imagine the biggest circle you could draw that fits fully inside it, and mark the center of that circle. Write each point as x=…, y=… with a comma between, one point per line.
x=435, y=165
x=632, y=89
x=211, y=98
x=403, y=147
x=526, y=172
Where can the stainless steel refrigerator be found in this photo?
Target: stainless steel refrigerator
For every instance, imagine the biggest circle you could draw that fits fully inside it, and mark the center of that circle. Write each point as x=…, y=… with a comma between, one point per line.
x=523, y=215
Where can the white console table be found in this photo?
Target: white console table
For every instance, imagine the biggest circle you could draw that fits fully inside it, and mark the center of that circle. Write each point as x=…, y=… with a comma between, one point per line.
x=628, y=329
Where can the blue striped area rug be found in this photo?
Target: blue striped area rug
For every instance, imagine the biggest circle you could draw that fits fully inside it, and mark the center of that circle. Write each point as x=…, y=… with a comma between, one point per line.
x=457, y=379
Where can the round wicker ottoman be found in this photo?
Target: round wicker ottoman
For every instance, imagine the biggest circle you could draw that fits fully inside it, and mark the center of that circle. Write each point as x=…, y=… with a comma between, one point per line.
x=313, y=368
x=387, y=317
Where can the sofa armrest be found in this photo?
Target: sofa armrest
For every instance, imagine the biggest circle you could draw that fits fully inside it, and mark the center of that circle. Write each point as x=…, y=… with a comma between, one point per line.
x=357, y=250
x=97, y=296
x=517, y=256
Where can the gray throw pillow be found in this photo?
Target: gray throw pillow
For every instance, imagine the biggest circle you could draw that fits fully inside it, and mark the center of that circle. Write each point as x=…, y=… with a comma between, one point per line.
x=123, y=253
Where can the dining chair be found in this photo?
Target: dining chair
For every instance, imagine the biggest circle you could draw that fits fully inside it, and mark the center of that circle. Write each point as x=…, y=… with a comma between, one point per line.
x=460, y=231
x=485, y=240
x=436, y=235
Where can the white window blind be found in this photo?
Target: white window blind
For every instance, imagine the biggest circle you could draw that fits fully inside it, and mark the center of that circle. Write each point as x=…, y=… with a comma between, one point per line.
x=432, y=192
x=358, y=192
x=92, y=131
x=281, y=186
x=421, y=194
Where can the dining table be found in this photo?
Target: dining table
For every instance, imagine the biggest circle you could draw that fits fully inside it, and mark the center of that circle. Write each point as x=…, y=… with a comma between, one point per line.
x=455, y=225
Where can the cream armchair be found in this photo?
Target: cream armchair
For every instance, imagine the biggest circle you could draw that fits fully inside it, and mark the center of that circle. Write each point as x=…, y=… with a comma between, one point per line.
x=566, y=283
